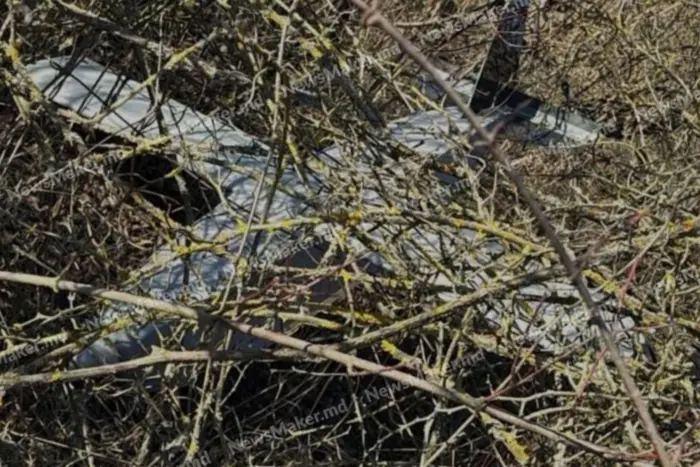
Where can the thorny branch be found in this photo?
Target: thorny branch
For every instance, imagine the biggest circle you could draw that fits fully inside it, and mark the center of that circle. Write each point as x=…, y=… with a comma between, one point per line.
x=163, y=356
x=372, y=17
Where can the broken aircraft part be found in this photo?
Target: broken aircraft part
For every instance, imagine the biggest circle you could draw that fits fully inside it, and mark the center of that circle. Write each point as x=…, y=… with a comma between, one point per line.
x=224, y=160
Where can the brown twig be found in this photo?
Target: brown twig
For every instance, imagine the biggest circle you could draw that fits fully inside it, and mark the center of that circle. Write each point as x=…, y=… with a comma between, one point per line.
x=477, y=405
x=372, y=17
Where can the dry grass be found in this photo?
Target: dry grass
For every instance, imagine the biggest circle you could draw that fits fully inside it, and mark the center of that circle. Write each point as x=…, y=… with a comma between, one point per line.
x=627, y=205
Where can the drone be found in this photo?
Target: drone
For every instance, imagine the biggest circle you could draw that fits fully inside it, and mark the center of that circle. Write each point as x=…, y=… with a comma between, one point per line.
x=236, y=162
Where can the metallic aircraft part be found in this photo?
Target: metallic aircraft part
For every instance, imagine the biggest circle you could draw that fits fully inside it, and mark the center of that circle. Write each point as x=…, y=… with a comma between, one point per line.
x=89, y=88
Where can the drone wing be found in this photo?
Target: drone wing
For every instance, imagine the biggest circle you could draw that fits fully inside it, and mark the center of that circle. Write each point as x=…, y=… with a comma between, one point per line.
x=435, y=135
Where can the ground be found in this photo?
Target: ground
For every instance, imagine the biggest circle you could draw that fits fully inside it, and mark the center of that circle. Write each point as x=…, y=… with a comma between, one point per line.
x=628, y=206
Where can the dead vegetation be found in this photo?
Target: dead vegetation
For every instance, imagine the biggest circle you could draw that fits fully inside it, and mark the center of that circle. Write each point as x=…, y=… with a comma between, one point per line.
x=628, y=206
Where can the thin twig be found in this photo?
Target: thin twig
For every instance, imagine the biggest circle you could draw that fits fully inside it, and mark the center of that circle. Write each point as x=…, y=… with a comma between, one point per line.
x=373, y=17
x=161, y=356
